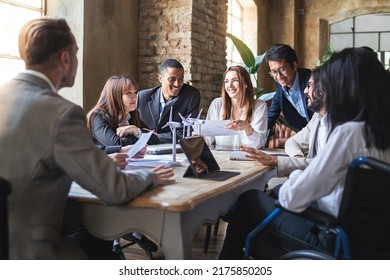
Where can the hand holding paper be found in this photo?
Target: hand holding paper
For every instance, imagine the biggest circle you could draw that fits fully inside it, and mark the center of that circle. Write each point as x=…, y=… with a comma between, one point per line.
x=139, y=144
x=216, y=128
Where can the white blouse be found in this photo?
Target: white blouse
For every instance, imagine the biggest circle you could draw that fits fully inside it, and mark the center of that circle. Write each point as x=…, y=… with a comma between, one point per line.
x=323, y=180
x=259, y=124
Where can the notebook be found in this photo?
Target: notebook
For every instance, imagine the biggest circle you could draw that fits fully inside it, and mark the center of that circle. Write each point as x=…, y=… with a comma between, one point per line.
x=202, y=162
x=162, y=149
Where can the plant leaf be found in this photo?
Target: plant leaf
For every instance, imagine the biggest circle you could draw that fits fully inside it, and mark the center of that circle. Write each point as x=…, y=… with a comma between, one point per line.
x=258, y=61
x=257, y=90
x=246, y=54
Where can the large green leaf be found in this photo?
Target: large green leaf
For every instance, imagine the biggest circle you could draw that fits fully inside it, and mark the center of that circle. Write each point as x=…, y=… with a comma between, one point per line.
x=257, y=90
x=246, y=54
x=258, y=61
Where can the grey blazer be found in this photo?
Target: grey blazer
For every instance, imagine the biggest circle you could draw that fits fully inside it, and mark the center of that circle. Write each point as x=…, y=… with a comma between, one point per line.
x=44, y=146
x=148, y=105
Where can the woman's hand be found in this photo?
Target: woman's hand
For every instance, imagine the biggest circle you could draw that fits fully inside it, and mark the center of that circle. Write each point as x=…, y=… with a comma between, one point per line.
x=164, y=175
x=120, y=159
x=260, y=157
x=240, y=125
x=126, y=130
x=140, y=154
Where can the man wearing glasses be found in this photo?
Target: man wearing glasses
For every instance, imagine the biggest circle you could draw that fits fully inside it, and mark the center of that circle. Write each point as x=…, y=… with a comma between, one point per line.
x=154, y=105
x=291, y=81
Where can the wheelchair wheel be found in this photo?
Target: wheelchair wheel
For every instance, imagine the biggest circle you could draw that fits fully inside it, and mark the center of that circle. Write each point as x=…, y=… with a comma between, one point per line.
x=307, y=255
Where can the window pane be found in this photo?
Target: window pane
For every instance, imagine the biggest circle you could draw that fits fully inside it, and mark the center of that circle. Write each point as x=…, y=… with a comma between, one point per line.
x=9, y=68
x=375, y=22
x=385, y=42
x=367, y=39
x=237, y=28
x=31, y=3
x=387, y=59
x=13, y=17
x=236, y=9
x=342, y=26
x=341, y=41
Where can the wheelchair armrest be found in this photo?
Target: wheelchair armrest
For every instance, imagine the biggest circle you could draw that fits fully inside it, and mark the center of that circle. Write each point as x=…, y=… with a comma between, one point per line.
x=315, y=215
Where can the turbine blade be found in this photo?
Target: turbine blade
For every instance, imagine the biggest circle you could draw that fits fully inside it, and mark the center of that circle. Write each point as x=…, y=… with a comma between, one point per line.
x=200, y=112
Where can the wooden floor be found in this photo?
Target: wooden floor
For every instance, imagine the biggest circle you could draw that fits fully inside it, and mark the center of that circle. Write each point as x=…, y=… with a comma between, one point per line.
x=136, y=253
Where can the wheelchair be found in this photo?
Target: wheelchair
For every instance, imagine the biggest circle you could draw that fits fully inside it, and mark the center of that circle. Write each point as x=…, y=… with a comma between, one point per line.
x=361, y=231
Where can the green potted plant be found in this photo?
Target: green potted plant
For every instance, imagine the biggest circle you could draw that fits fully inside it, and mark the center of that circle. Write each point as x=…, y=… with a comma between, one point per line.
x=252, y=64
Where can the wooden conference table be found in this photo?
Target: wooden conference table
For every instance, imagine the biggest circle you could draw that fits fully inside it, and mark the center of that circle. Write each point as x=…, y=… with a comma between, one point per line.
x=170, y=215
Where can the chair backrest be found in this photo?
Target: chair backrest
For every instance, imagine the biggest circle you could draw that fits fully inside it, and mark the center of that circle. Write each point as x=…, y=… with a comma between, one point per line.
x=365, y=208
x=278, y=135
x=5, y=190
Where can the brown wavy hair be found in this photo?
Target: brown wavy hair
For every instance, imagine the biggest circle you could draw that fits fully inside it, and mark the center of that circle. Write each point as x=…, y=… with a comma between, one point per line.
x=110, y=102
x=244, y=80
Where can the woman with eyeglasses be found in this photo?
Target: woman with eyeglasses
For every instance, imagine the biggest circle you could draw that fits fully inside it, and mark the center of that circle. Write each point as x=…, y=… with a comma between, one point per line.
x=114, y=120
x=248, y=116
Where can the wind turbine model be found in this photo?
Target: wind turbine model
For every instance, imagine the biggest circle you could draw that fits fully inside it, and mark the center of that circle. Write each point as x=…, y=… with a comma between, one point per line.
x=187, y=123
x=198, y=122
x=173, y=126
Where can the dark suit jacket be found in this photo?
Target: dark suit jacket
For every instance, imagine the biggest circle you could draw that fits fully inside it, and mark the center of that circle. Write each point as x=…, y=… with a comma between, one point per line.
x=280, y=103
x=104, y=134
x=148, y=105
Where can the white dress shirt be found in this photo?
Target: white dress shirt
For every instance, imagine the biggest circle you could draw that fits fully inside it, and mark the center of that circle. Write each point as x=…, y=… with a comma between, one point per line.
x=323, y=179
x=259, y=124
x=322, y=133
x=42, y=76
x=294, y=96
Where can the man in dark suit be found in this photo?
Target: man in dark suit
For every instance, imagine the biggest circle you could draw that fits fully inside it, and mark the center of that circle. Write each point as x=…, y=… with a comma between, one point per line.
x=154, y=104
x=291, y=81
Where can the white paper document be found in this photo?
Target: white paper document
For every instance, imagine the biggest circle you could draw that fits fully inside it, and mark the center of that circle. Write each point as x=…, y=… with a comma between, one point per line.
x=139, y=144
x=215, y=128
x=152, y=161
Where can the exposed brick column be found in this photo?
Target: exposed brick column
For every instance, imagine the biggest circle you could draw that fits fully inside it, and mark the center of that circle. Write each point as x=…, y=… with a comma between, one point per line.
x=193, y=32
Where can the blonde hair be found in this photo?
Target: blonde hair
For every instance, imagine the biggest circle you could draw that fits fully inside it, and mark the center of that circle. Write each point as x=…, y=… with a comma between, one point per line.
x=41, y=38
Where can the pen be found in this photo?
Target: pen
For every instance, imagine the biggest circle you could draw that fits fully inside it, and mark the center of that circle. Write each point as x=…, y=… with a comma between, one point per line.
x=147, y=129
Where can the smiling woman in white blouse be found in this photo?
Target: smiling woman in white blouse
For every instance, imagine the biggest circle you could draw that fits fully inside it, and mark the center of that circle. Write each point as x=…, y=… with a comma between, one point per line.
x=247, y=115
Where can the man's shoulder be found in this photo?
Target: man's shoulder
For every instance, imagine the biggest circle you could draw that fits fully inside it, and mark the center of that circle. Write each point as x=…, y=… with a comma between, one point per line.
x=305, y=72
x=148, y=91
x=189, y=89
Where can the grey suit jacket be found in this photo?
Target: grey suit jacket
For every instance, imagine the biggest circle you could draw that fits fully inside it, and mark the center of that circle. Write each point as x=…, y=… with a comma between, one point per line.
x=303, y=144
x=44, y=145
x=148, y=105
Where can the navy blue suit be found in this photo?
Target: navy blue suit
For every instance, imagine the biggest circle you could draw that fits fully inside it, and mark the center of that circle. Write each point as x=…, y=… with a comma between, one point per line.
x=280, y=103
x=148, y=105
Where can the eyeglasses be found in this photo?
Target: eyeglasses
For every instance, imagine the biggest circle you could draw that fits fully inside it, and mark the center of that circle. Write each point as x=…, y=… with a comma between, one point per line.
x=281, y=71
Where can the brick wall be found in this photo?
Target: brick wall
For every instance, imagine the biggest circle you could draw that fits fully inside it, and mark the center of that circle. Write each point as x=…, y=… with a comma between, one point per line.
x=192, y=32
